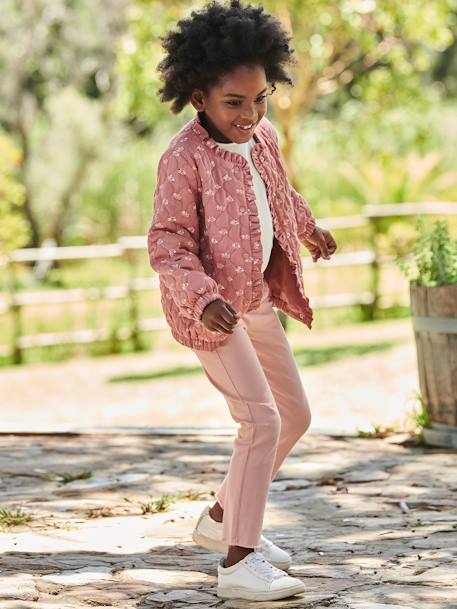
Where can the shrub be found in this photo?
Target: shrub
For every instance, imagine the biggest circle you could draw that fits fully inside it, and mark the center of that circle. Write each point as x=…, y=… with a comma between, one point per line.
x=434, y=256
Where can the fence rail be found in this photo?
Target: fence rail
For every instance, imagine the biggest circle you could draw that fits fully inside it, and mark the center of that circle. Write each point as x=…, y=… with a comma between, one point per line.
x=16, y=302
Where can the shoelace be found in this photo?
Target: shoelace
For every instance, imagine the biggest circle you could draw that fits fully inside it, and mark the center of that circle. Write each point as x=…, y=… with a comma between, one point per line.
x=264, y=568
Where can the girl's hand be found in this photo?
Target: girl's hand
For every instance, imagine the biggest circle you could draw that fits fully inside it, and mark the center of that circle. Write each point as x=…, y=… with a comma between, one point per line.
x=219, y=316
x=320, y=243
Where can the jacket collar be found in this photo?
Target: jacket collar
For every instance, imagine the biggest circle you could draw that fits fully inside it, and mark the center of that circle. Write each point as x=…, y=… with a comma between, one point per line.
x=198, y=128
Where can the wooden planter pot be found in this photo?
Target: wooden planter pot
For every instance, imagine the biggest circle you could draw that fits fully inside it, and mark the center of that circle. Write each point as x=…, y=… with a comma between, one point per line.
x=434, y=313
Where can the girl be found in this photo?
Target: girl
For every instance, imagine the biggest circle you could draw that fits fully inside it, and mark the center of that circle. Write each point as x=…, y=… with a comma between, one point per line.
x=225, y=240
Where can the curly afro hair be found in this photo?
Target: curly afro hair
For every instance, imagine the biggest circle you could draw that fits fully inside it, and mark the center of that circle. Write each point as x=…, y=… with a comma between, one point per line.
x=216, y=40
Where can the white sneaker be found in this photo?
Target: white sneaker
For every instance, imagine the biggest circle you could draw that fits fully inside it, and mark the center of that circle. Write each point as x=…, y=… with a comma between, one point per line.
x=208, y=534
x=255, y=579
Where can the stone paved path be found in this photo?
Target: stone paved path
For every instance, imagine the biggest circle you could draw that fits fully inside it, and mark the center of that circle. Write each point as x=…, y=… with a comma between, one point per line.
x=370, y=523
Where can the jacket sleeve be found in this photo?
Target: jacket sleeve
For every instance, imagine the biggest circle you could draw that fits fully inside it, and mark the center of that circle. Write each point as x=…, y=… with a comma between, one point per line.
x=173, y=236
x=304, y=216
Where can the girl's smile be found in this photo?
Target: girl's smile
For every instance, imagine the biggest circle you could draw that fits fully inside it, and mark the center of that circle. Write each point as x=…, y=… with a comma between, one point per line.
x=247, y=130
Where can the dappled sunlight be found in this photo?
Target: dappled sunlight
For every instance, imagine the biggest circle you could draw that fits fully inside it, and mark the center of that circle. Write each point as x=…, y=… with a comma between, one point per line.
x=139, y=207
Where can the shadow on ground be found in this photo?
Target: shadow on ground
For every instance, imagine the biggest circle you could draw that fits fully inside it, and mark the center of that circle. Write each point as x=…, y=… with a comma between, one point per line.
x=335, y=505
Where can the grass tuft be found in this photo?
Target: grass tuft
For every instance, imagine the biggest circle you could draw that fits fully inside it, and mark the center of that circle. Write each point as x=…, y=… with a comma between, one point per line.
x=161, y=505
x=12, y=518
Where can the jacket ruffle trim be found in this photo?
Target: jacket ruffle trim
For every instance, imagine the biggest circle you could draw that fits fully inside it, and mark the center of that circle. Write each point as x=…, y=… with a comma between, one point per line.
x=256, y=251
x=310, y=226
x=306, y=317
x=283, y=239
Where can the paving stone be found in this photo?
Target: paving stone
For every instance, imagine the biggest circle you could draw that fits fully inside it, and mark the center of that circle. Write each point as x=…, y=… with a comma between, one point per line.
x=94, y=594
x=369, y=524
x=369, y=605
x=416, y=596
x=289, y=485
x=191, y=597
x=18, y=586
x=159, y=578
x=365, y=476
x=79, y=577
x=43, y=605
x=101, y=483
x=443, y=575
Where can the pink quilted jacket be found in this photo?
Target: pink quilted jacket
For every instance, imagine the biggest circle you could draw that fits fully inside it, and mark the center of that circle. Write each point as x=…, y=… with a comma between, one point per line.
x=204, y=239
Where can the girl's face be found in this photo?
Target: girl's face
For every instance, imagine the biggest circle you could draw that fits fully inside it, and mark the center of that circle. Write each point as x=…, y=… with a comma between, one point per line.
x=239, y=99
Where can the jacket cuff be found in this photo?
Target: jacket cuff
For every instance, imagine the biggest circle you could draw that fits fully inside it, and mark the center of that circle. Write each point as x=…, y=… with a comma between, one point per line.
x=201, y=303
x=310, y=226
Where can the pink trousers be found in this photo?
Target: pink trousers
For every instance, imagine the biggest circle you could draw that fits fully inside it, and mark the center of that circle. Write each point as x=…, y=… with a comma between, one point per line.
x=256, y=372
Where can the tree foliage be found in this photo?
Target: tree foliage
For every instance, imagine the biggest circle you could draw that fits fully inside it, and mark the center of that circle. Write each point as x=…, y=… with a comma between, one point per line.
x=374, y=53
x=13, y=227
x=78, y=86
x=47, y=47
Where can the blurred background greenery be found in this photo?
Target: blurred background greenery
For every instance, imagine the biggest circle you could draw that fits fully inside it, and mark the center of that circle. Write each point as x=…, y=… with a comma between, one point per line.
x=371, y=120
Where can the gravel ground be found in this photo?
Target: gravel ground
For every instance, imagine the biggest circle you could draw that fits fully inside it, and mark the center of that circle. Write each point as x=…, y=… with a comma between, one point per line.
x=375, y=383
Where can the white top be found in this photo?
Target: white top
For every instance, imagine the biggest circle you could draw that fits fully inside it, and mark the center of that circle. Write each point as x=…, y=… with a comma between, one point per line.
x=263, y=207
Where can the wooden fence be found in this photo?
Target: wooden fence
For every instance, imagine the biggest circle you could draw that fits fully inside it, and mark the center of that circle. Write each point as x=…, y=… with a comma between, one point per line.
x=15, y=302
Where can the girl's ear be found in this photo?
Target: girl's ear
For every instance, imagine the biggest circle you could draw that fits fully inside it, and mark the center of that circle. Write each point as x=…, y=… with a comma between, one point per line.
x=197, y=100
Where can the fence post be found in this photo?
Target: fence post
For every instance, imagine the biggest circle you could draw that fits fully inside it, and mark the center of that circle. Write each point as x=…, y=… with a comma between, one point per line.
x=15, y=310
x=132, y=300
x=371, y=309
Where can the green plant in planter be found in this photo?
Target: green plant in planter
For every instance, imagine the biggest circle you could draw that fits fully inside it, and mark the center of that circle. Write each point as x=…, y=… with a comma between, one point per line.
x=434, y=256
x=433, y=293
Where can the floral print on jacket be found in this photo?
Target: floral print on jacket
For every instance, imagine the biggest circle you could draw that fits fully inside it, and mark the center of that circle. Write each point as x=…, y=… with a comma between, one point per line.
x=204, y=240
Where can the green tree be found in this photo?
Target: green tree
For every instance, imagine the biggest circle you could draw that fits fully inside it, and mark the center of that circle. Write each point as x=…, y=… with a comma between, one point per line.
x=13, y=227
x=47, y=46
x=377, y=53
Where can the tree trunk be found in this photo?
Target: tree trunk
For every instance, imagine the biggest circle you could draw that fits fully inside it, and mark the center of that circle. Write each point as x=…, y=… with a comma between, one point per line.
x=26, y=113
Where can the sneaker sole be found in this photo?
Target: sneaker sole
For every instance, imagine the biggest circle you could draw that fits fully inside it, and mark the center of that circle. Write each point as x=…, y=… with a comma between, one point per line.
x=209, y=544
x=222, y=548
x=254, y=595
